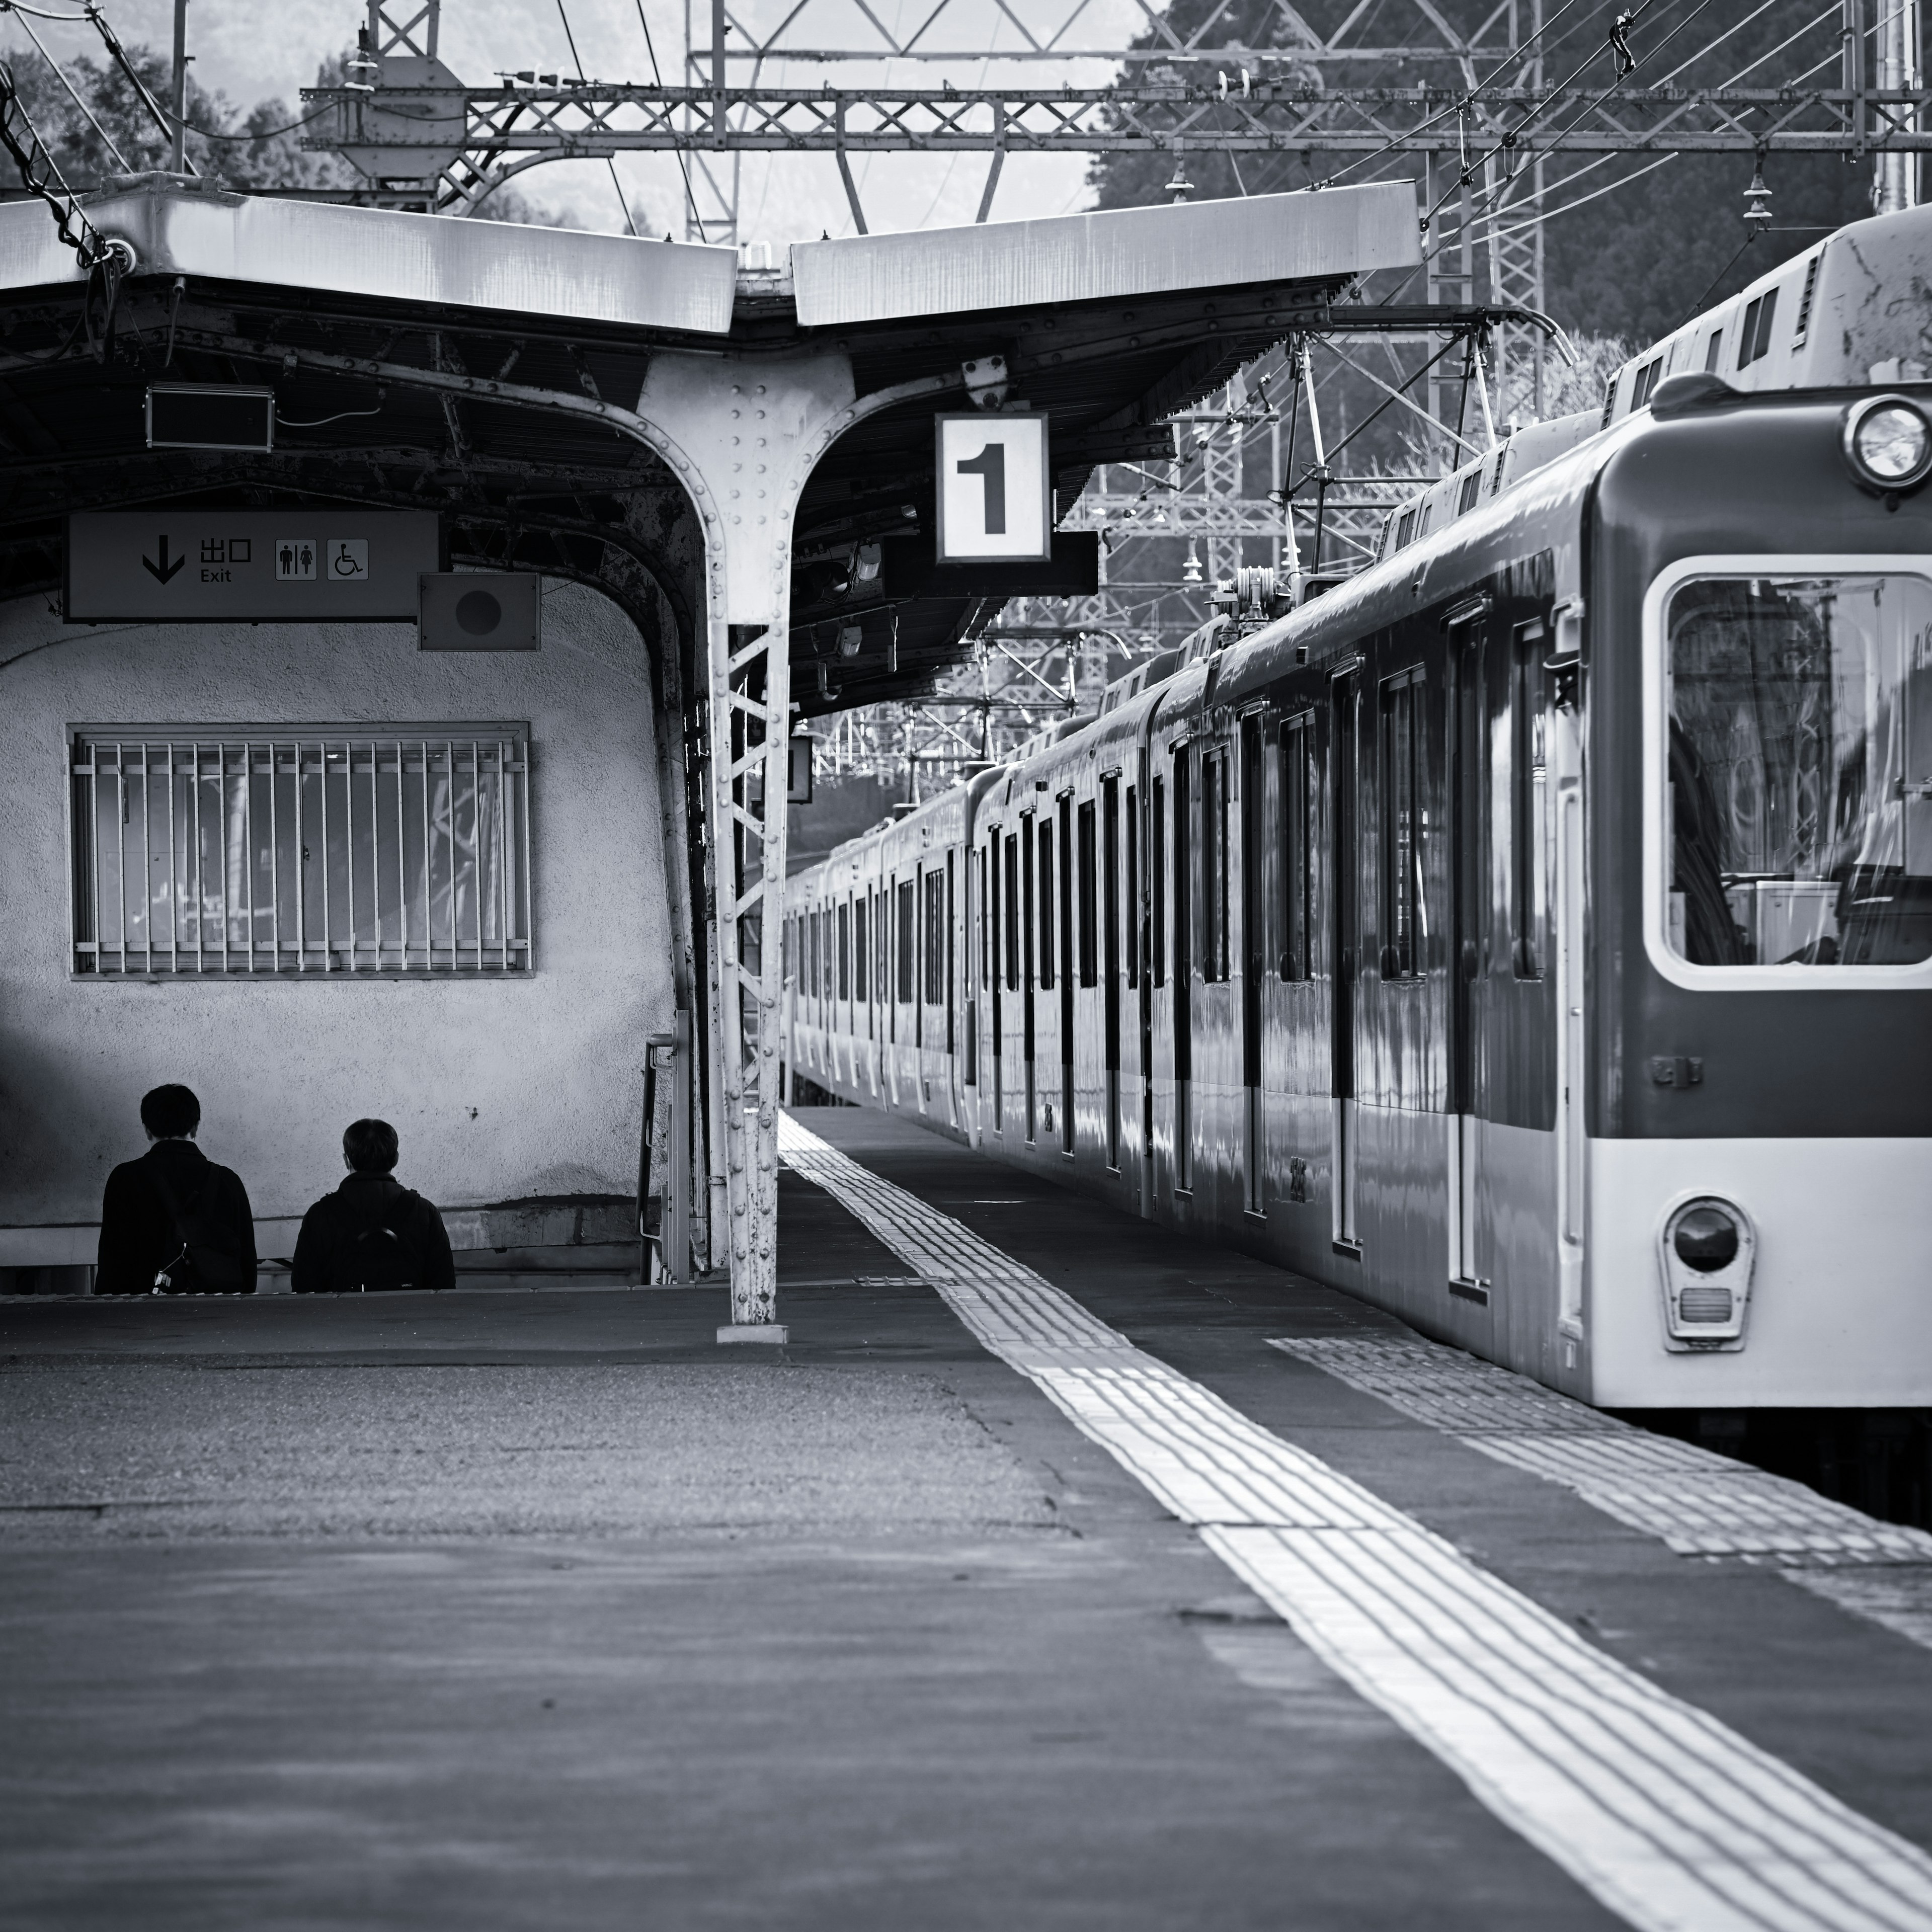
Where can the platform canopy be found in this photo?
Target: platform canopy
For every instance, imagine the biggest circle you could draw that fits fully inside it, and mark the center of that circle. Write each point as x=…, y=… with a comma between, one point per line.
x=462, y=365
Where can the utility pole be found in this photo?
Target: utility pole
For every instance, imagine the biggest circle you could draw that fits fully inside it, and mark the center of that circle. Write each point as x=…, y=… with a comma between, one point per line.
x=1897, y=186
x=179, y=161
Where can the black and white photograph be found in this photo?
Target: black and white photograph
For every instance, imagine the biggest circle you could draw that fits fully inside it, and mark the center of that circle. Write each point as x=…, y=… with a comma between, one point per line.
x=972, y=966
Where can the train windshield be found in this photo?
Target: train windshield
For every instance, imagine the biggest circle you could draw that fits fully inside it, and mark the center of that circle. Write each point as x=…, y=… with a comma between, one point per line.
x=1800, y=770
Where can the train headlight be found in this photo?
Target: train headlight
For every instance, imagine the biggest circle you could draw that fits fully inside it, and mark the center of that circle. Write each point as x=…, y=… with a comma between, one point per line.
x=1706, y=1238
x=1705, y=1248
x=1888, y=443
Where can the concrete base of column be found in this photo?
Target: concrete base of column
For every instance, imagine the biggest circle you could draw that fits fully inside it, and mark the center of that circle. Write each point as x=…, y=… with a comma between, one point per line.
x=754, y=1331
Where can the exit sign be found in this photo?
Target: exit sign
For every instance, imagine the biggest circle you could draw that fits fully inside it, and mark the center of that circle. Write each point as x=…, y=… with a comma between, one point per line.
x=304, y=564
x=993, y=488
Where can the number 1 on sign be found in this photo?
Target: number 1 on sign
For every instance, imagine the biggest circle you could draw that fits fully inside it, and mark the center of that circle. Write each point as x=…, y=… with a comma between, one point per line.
x=990, y=466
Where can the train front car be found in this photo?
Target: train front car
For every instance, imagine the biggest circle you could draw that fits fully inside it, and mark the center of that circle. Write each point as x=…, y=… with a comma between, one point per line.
x=1759, y=1085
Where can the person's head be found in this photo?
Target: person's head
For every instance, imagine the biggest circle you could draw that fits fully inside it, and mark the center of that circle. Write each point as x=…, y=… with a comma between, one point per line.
x=369, y=1146
x=170, y=1113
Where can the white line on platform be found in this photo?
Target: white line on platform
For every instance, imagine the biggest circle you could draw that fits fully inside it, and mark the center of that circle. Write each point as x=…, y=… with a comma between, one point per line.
x=1699, y=1503
x=1669, y=1817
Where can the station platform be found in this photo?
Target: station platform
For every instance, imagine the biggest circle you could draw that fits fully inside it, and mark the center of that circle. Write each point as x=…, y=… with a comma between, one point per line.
x=1057, y=1573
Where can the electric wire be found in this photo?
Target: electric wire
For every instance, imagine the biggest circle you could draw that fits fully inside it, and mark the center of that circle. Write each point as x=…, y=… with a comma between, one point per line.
x=56, y=66
x=609, y=160
x=683, y=165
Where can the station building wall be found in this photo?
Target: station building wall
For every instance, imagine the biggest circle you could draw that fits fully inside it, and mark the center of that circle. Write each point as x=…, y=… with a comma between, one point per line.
x=502, y=1088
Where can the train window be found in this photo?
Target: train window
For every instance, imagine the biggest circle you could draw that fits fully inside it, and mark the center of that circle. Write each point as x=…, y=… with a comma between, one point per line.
x=1214, y=866
x=817, y=983
x=1472, y=488
x=1157, y=882
x=845, y=950
x=1183, y=926
x=935, y=938
x=1026, y=918
x=1089, y=973
x=1013, y=912
x=1297, y=803
x=1404, y=824
x=1754, y=337
x=859, y=948
x=950, y=966
x=989, y=920
x=1800, y=771
x=1527, y=726
x=905, y=913
x=1046, y=904
x=1714, y=352
x=882, y=953
x=1133, y=897
x=1066, y=911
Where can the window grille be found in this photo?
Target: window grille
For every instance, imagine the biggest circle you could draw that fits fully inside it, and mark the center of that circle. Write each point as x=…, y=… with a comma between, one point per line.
x=229, y=853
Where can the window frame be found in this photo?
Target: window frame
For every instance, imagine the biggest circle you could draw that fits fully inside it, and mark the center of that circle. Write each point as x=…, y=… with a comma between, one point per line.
x=1406, y=692
x=1655, y=733
x=230, y=962
x=1296, y=750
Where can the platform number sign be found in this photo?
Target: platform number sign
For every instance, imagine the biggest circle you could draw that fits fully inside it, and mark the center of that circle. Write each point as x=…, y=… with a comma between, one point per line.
x=993, y=488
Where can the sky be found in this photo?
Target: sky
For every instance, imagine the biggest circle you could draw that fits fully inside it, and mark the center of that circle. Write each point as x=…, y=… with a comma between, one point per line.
x=254, y=49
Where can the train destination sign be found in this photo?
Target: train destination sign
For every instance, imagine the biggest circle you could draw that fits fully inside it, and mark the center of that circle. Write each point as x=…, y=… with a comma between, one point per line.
x=301, y=566
x=992, y=488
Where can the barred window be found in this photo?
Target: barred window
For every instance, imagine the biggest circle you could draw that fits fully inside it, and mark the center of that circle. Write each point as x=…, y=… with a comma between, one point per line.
x=246, y=852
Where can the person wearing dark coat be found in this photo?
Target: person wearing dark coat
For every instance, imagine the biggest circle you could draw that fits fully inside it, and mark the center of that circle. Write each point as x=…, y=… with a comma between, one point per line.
x=173, y=1223
x=372, y=1233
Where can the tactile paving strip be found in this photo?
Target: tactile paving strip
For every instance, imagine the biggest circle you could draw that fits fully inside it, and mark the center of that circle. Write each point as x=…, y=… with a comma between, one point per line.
x=1699, y=1503
x=1666, y=1815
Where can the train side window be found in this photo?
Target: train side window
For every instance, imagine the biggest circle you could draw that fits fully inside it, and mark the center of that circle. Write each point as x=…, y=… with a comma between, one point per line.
x=1297, y=796
x=1133, y=898
x=1046, y=902
x=1184, y=874
x=1714, y=353
x=1090, y=974
x=904, y=914
x=1214, y=866
x=859, y=949
x=845, y=950
x=816, y=982
x=1754, y=338
x=934, y=936
x=951, y=967
x=1013, y=911
x=1157, y=882
x=1528, y=752
x=989, y=916
x=1404, y=824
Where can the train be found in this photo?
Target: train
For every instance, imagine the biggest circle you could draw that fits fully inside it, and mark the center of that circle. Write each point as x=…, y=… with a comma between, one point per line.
x=1530, y=935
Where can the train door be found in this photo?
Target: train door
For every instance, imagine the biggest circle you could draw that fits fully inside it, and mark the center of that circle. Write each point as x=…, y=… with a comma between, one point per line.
x=1110, y=960
x=955, y=1099
x=1344, y=701
x=1182, y=1006
x=1066, y=978
x=1148, y=939
x=1469, y=1262
x=1566, y=774
x=1254, y=968
x=1026, y=936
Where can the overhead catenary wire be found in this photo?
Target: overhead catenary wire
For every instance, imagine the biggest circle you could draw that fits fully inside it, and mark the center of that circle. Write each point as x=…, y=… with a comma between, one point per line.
x=55, y=65
x=609, y=160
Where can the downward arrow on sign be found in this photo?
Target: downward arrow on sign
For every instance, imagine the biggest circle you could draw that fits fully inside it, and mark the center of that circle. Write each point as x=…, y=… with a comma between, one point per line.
x=163, y=570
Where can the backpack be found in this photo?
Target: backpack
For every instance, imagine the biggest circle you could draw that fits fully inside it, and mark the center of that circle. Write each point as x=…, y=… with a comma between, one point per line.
x=376, y=1259
x=201, y=1265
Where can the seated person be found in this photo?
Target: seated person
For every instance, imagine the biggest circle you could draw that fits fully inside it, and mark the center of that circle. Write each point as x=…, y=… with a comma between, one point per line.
x=172, y=1222
x=372, y=1233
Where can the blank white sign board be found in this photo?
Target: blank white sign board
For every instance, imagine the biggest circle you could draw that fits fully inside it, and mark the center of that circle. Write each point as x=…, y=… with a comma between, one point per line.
x=993, y=488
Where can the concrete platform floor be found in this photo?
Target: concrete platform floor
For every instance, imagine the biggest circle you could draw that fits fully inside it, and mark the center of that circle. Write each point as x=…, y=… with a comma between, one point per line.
x=484, y=1611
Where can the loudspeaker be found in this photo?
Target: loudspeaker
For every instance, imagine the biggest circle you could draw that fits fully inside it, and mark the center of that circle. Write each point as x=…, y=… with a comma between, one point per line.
x=479, y=610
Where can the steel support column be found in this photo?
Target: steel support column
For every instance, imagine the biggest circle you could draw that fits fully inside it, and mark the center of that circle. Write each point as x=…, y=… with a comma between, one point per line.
x=744, y=433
